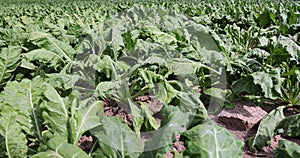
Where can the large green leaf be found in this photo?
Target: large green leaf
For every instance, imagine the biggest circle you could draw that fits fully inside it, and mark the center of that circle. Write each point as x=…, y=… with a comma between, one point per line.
x=106, y=88
x=292, y=125
x=189, y=103
x=27, y=95
x=161, y=37
x=107, y=67
x=9, y=61
x=119, y=137
x=162, y=89
x=55, y=112
x=287, y=149
x=266, y=83
x=265, y=19
x=174, y=122
x=61, y=149
x=14, y=142
x=87, y=118
x=61, y=81
x=291, y=47
x=266, y=129
x=245, y=84
x=49, y=43
x=137, y=117
x=45, y=56
x=209, y=140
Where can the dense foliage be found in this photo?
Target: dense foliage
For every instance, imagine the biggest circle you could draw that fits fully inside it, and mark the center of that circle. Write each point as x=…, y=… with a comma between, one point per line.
x=61, y=61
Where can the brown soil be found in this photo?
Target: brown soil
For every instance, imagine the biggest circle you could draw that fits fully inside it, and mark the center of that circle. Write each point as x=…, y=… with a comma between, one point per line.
x=238, y=124
x=177, y=146
x=85, y=143
x=243, y=116
x=111, y=108
x=153, y=104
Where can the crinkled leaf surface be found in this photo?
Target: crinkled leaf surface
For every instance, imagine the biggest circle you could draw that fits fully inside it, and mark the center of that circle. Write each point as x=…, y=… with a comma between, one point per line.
x=116, y=135
x=266, y=83
x=287, y=149
x=27, y=95
x=291, y=125
x=61, y=149
x=245, y=84
x=45, y=56
x=47, y=42
x=291, y=47
x=173, y=123
x=209, y=140
x=9, y=61
x=55, y=112
x=87, y=118
x=14, y=142
x=106, y=66
x=150, y=122
x=266, y=129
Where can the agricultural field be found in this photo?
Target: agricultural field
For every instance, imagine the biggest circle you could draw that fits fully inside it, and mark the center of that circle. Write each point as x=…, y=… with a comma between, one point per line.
x=150, y=79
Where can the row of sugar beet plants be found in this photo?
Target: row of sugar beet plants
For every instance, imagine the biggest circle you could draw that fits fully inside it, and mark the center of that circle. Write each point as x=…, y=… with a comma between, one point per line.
x=61, y=61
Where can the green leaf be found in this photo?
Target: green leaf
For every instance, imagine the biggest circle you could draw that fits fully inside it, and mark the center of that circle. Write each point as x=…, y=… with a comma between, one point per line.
x=264, y=20
x=291, y=125
x=106, y=88
x=292, y=18
x=217, y=100
x=292, y=48
x=61, y=81
x=266, y=129
x=287, y=149
x=161, y=37
x=27, y=95
x=88, y=117
x=55, y=112
x=14, y=139
x=189, y=103
x=9, y=61
x=107, y=67
x=105, y=151
x=60, y=149
x=173, y=123
x=245, y=84
x=260, y=53
x=164, y=91
x=44, y=56
x=266, y=83
x=150, y=122
x=119, y=137
x=216, y=92
x=49, y=43
x=209, y=140
x=137, y=118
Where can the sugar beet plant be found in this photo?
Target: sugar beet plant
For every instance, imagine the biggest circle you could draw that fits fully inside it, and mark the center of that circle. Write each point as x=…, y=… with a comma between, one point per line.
x=62, y=63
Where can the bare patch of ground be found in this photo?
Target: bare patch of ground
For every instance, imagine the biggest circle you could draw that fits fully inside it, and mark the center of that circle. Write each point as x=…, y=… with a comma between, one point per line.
x=243, y=120
x=85, y=143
